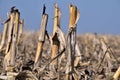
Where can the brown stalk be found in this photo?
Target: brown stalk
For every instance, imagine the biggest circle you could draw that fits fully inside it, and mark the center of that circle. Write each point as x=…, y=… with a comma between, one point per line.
x=108, y=57
x=14, y=38
x=102, y=60
x=20, y=30
x=10, y=54
x=74, y=16
x=78, y=56
x=58, y=55
x=61, y=51
x=4, y=35
x=41, y=38
x=117, y=74
x=56, y=43
x=17, y=19
x=12, y=17
x=113, y=54
x=104, y=47
x=9, y=43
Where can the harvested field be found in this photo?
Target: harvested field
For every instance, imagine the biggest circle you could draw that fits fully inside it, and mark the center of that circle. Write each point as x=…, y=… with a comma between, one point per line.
x=39, y=56
x=91, y=51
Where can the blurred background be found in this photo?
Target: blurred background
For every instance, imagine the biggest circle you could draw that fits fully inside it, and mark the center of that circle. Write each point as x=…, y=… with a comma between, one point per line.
x=97, y=16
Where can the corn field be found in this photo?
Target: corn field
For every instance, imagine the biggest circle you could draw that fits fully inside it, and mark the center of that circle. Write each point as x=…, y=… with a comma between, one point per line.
x=26, y=55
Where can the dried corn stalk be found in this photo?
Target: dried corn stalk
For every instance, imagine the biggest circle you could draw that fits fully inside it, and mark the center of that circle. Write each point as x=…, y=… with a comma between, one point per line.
x=9, y=60
x=74, y=16
x=55, y=40
x=107, y=55
x=14, y=38
x=12, y=16
x=10, y=53
x=17, y=19
x=20, y=30
x=58, y=45
x=4, y=35
x=61, y=49
x=117, y=74
x=41, y=38
x=104, y=47
x=78, y=55
x=105, y=50
x=9, y=43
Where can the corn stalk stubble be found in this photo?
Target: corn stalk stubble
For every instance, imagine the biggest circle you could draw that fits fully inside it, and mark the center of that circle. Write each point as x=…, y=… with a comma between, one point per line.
x=117, y=74
x=56, y=43
x=41, y=38
x=14, y=38
x=74, y=16
x=20, y=30
x=9, y=43
x=4, y=36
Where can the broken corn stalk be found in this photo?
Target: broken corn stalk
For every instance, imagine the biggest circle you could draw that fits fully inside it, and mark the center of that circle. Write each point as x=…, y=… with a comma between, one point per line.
x=14, y=38
x=17, y=19
x=20, y=30
x=9, y=60
x=56, y=43
x=117, y=74
x=106, y=51
x=74, y=16
x=4, y=35
x=78, y=56
x=41, y=38
x=9, y=43
x=12, y=16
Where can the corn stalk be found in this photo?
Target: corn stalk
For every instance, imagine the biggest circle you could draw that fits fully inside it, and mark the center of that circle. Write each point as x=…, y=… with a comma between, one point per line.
x=108, y=55
x=4, y=36
x=41, y=39
x=14, y=38
x=78, y=55
x=9, y=43
x=74, y=16
x=20, y=30
x=62, y=48
x=117, y=74
x=55, y=40
x=9, y=60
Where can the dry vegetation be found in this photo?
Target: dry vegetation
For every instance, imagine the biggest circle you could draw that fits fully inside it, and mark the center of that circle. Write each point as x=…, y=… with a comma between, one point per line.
x=86, y=68
x=40, y=56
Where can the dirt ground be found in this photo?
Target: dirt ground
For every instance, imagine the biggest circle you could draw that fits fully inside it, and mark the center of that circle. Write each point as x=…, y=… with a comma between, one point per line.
x=91, y=51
